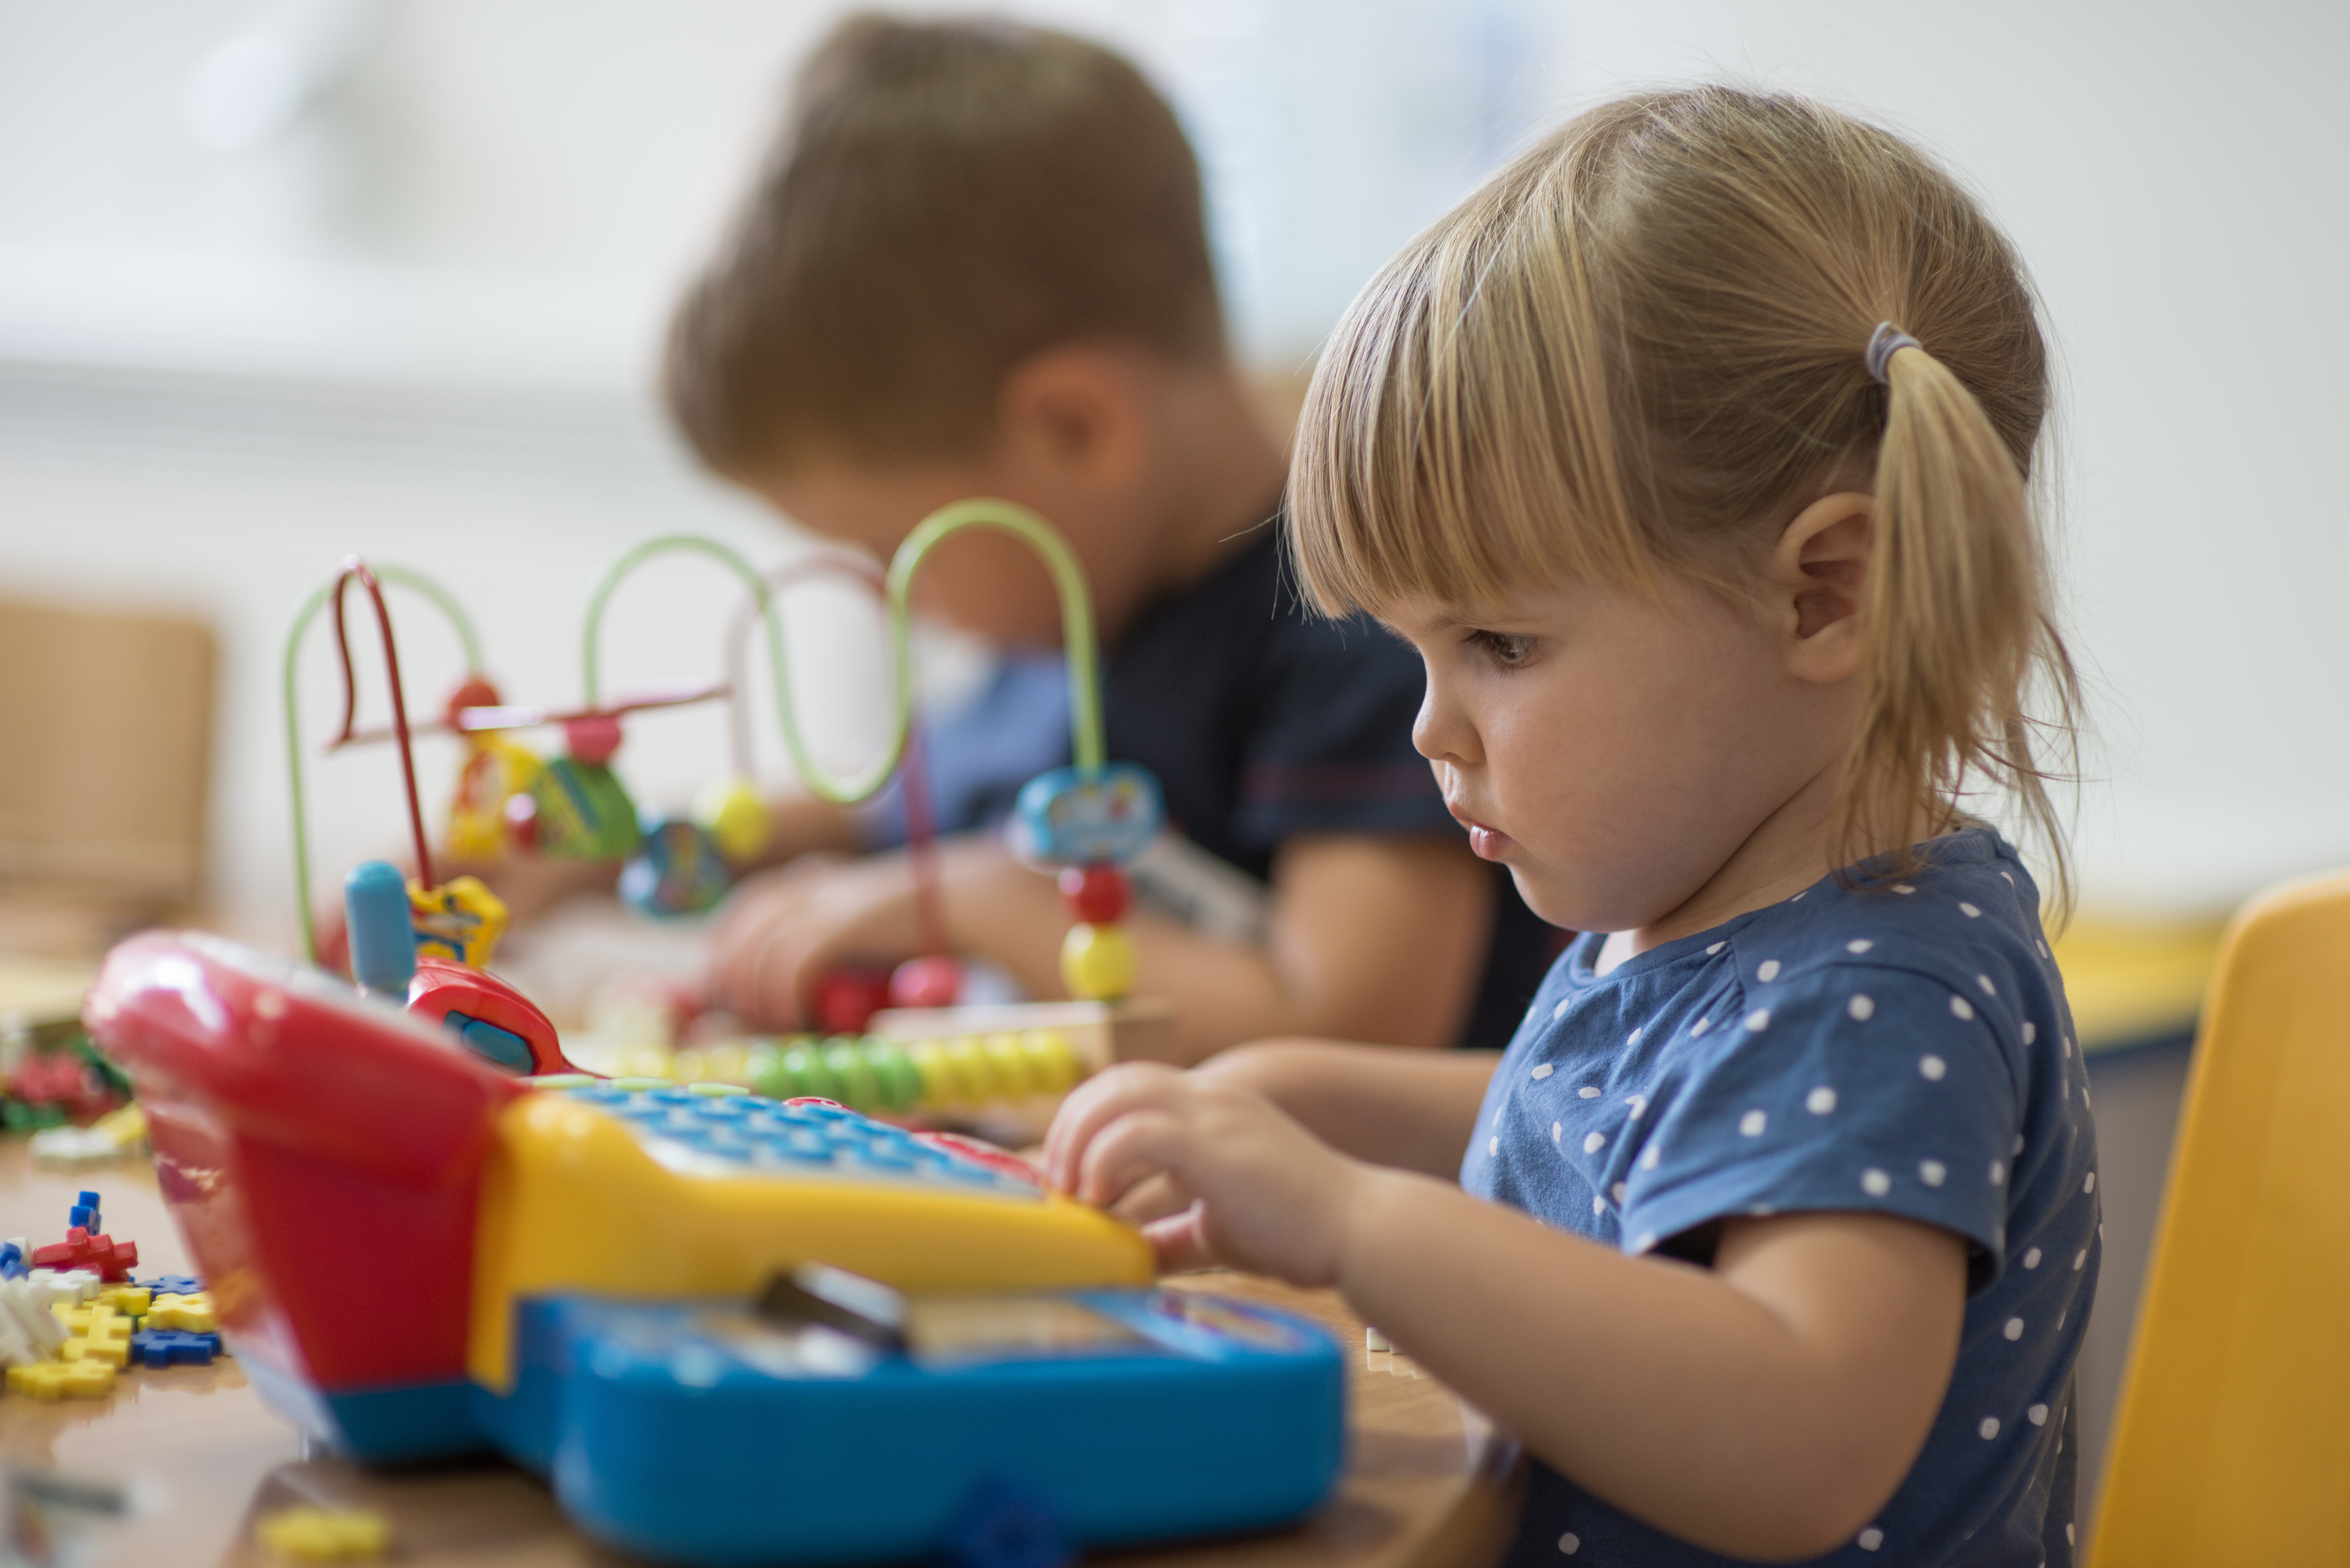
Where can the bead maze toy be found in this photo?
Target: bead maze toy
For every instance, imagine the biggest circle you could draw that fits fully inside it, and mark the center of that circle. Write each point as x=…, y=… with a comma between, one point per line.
x=729, y=1326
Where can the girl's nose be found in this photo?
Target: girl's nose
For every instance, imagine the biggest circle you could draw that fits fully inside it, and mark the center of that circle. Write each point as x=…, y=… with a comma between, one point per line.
x=1441, y=731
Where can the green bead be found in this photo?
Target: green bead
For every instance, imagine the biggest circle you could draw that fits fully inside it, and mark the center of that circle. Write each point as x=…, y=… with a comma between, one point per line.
x=900, y=1080
x=806, y=1066
x=763, y=1065
x=859, y=1089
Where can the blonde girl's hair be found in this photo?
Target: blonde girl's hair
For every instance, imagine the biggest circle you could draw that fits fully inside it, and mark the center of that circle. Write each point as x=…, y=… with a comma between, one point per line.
x=1642, y=347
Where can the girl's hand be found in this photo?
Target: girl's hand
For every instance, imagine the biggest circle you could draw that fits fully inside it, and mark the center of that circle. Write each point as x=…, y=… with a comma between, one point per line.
x=1262, y=1193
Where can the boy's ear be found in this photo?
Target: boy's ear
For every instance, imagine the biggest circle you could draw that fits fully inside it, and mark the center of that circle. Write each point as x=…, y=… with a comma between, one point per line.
x=1817, y=571
x=1074, y=413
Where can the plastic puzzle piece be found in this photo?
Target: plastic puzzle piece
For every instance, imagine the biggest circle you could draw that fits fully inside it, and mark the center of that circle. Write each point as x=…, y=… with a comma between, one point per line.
x=13, y=1265
x=114, y=1353
x=677, y=870
x=193, y=1313
x=172, y=1284
x=130, y=1301
x=94, y=1333
x=84, y=1213
x=108, y=1138
x=63, y=1287
x=29, y=1330
x=111, y=1259
x=325, y=1534
x=155, y=1347
x=1072, y=817
x=50, y=1381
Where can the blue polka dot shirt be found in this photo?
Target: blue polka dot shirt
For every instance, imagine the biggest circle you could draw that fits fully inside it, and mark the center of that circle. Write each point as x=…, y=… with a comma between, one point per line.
x=1897, y=1048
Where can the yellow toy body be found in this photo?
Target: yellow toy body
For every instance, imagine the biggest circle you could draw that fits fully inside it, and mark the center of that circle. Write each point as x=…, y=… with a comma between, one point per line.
x=460, y=919
x=495, y=769
x=615, y=1190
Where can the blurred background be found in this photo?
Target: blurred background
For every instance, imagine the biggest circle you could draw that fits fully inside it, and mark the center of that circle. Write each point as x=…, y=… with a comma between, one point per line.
x=281, y=282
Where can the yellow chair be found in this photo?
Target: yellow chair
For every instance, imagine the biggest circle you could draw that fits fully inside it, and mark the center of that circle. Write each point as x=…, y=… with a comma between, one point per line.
x=2232, y=1443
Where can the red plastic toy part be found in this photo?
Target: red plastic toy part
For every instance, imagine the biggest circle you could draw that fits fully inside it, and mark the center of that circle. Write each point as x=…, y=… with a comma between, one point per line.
x=320, y=1155
x=491, y=1017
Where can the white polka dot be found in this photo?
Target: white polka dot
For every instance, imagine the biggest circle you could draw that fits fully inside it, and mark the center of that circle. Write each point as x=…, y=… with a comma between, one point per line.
x=1586, y=1093
x=1869, y=1539
x=2080, y=1258
x=1570, y=1544
x=1633, y=1038
x=2032, y=1259
x=2006, y=878
x=2060, y=1319
x=2089, y=1182
x=2030, y=1032
x=2037, y=1415
x=1903, y=888
x=2013, y=1328
x=1598, y=1204
x=1618, y=1191
x=1594, y=1143
x=1497, y=1115
x=1650, y=1155
x=1858, y=945
x=1970, y=911
x=1715, y=949
x=2043, y=949
x=1932, y=1068
x=1932, y=1172
x=1545, y=1071
x=1493, y=1146
x=1700, y=1028
x=2069, y=1538
x=1638, y=1102
x=1758, y=1020
x=1860, y=1007
x=2068, y=1046
x=1644, y=1240
x=1555, y=1130
x=1989, y=989
x=1767, y=970
x=1798, y=897
x=1874, y=1182
x=2084, y=1095
x=1752, y=1123
x=1998, y=1172
x=1961, y=1008
x=1990, y=1427
x=1820, y=1101
x=1560, y=1010
x=2019, y=1144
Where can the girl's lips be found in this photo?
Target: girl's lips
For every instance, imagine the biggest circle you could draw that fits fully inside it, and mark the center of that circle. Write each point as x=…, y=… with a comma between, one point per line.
x=1486, y=843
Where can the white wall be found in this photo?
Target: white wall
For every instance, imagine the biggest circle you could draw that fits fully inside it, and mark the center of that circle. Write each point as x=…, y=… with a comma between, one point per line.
x=418, y=324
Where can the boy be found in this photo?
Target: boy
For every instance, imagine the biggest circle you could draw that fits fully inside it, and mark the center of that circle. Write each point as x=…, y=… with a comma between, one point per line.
x=975, y=264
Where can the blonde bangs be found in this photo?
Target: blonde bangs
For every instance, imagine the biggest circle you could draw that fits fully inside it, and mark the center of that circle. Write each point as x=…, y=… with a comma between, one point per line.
x=1456, y=441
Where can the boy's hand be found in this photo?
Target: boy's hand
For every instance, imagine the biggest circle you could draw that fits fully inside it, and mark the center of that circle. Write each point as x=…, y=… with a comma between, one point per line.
x=781, y=929
x=1264, y=1194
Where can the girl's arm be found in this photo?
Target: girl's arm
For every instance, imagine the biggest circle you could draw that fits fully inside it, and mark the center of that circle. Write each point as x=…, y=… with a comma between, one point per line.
x=1371, y=939
x=1766, y=1407
x=1414, y=1112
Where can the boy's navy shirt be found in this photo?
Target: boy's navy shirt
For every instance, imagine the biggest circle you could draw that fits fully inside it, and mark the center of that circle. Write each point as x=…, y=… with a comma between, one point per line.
x=1262, y=720
x=1901, y=1048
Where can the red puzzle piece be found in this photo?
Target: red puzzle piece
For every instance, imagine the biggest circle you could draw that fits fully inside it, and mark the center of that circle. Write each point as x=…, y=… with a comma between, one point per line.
x=112, y=1259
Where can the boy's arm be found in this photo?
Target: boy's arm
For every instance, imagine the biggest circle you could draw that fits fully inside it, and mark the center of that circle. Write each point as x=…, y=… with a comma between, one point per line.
x=1372, y=939
x=1764, y=1408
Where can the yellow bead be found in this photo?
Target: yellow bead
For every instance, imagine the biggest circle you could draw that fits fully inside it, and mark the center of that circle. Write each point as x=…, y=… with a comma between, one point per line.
x=1097, y=961
x=326, y=1535
x=969, y=1067
x=735, y=815
x=930, y=1059
x=1007, y=1067
x=1052, y=1065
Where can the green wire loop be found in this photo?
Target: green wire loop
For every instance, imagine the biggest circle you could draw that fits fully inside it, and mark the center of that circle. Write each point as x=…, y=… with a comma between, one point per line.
x=467, y=637
x=1085, y=746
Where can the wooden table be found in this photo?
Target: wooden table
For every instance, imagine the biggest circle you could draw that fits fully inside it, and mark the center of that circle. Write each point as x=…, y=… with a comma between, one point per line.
x=1427, y=1481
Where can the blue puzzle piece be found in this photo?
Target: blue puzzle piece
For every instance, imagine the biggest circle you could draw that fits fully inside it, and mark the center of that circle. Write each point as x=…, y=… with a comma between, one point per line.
x=12, y=1261
x=173, y=1348
x=170, y=1284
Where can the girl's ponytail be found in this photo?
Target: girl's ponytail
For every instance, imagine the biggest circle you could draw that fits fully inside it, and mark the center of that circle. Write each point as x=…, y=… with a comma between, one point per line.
x=1957, y=600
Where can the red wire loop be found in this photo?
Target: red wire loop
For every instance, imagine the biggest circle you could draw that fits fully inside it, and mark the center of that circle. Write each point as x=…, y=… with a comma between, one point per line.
x=355, y=567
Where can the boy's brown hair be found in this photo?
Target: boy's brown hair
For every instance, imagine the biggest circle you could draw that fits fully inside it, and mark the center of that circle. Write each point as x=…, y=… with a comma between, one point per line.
x=944, y=200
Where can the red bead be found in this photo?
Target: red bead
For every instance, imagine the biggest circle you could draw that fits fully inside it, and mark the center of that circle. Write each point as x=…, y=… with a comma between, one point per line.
x=933, y=980
x=594, y=739
x=847, y=998
x=1095, y=894
x=473, y=691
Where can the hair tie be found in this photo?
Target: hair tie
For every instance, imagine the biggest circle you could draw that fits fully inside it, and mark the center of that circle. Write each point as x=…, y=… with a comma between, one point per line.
x=1883, y=344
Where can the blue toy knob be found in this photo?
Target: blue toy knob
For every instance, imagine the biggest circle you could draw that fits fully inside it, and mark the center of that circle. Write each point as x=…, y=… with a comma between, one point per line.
x=1073, y=818
x=382, y=931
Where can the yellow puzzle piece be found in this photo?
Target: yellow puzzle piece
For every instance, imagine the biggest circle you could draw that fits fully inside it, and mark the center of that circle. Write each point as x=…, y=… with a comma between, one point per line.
x=192, y=1313
x=50, y=1381
x=325, y=1534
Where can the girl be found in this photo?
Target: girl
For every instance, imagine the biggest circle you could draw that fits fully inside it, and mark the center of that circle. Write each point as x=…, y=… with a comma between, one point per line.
x=1688, y=455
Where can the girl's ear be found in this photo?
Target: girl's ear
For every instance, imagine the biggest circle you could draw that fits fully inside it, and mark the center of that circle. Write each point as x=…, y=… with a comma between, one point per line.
x=1817, y=570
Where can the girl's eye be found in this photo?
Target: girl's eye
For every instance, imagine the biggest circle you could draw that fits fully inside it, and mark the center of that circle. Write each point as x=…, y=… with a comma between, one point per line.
x=1507, y=648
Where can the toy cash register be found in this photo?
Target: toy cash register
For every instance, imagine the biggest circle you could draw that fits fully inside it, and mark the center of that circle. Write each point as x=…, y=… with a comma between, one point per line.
x=610, y=1281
